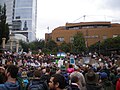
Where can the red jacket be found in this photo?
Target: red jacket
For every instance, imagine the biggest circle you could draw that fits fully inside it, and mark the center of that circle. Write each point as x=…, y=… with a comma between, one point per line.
x=118, y=84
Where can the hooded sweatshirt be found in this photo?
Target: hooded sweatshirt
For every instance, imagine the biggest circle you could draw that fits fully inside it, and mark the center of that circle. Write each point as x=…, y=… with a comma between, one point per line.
x=9, y=86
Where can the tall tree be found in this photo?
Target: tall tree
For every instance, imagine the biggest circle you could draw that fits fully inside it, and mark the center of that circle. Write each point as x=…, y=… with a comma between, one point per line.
x=4, y=28
x=51, y=45
x=65, y=47
x=79, y=43
x=105, y=47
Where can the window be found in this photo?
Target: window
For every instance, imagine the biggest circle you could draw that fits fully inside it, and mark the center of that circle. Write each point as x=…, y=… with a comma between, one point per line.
x=104, y=37
x=60, y=39
x=115, y=36
x=95, y=36
x=71, y=39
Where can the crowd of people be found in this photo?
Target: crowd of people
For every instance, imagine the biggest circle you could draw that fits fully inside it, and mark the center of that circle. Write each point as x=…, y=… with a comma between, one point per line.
x=31, y=72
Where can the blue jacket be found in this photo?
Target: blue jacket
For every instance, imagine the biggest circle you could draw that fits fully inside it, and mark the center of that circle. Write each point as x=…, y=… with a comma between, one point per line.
x=9, y=86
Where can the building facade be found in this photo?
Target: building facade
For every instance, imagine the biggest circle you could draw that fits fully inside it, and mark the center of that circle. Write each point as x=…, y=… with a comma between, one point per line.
x=21, y=17
x=92, y=31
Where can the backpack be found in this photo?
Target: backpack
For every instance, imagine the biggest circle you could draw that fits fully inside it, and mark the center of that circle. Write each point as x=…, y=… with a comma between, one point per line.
x=66, y=75
x=93, y=87
x=68, y=87
x=21, y=83
x=38, y=85
x=107, y=85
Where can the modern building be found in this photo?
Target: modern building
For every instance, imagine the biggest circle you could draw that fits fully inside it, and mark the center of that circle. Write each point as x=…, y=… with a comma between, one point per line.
x=21, y=17
x=2, y=2
x=92, y=31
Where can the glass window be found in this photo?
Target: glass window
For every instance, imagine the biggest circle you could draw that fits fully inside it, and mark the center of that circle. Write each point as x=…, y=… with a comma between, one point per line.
x=115, y=36
x=71, y=39
x=24, y=13
x=104, y=37
x=60, y=39
x=23, y=3
x=22, y=25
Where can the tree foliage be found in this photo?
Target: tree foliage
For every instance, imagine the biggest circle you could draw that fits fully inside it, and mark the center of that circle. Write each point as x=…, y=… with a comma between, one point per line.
x=34, y=46
x=111, y=44
x=79, y=43
x=108, y=45
x=66, y=47
x=24, y=46
x=50, y=44
x=4, y=29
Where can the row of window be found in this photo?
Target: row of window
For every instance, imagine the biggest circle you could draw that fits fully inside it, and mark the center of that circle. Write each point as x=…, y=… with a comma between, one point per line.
x=61, y=39
x=86, y=26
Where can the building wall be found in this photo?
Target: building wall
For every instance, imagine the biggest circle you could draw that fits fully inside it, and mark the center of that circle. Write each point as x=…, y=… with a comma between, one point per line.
x=92, y=31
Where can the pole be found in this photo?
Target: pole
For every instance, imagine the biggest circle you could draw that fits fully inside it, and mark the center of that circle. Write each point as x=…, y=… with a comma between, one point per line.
x=3, y=42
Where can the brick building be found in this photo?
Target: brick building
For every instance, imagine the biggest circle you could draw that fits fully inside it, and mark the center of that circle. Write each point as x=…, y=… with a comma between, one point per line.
x=92, y=31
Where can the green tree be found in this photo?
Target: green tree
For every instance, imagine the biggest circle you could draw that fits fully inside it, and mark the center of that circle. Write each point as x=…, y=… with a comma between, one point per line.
x=25, y=46
x=39, y=44
x=105, y=47
x=95, y=47
x=79, y=43
x=65, y=47
x=4, y=28
x=110, y=44
x=34, y=46
x=51, y=45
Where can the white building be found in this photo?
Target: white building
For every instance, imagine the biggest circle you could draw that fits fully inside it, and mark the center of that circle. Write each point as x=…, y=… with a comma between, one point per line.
x=21, y=17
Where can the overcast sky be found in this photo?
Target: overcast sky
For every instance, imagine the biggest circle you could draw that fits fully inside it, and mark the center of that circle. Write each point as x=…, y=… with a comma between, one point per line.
x=55, y=13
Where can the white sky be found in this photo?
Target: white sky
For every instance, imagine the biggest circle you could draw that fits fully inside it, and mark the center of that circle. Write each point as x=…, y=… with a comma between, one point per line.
x=55, y=13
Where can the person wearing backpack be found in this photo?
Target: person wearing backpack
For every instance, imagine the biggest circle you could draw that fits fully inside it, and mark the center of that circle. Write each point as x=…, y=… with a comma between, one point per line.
x=106, y=84
x=11, y=83
x=92, y=81
x=37, y=83
x=64, y=73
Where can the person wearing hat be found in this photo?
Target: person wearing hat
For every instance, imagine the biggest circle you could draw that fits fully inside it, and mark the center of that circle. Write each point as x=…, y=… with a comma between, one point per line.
x=64, y=73
x=92, y=81
x=106, y=84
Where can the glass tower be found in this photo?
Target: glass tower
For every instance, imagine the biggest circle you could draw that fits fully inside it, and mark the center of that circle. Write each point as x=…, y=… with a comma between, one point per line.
x=21, y=17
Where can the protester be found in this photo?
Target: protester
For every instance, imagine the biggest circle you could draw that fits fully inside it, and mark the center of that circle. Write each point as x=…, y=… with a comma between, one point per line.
x=89, y=74
x=36, y=83
x=46, y=76
x=2, y=75
x=57, y=82
x=70, y=69
x=92, y=81
x=74, y=85
x=11, y=83
x=77, y=73
x=106, y=84
x=118, y=84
